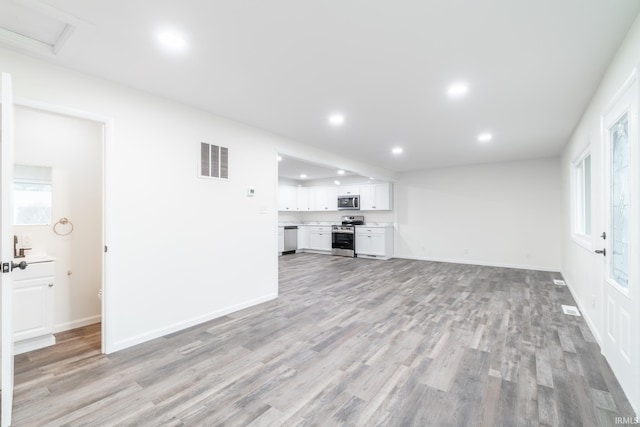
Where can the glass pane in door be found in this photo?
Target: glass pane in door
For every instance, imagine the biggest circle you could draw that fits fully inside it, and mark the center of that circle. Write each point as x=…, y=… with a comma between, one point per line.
x=619, y=267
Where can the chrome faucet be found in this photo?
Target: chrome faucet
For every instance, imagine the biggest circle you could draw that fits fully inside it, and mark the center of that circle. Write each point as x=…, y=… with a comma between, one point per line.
x=18, y=253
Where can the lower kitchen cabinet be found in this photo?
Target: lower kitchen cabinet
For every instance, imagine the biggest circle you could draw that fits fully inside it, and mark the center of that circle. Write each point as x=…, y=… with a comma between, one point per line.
x=303, y=237
x=33, y=307
x=374, y=242
x=320, y=238
x=280, y=239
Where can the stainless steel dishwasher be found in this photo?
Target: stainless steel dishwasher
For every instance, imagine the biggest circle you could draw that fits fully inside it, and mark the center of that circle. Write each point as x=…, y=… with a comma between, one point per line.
x=290, y=239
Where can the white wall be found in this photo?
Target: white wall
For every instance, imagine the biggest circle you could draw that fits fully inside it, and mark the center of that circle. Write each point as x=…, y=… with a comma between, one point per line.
x=502, y=214
x=73, y=149
x=179, y=246
x=182, y=250
x=582, y=269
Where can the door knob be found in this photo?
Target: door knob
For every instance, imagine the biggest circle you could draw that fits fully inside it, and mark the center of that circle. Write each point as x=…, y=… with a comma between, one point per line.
x=603, y=252
x=22, y=265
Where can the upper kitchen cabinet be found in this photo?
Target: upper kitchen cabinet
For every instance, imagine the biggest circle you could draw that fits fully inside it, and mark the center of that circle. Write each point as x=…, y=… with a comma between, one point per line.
x=323, y=198
x=376, y=197
x=287, y=198
x=348, y=190
x=303, y=202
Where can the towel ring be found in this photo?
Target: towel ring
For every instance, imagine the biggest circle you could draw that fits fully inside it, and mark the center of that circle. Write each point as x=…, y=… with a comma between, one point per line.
x=63, y=221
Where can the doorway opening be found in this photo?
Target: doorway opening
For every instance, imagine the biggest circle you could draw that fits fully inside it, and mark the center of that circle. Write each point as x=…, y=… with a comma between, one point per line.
x=70, y=145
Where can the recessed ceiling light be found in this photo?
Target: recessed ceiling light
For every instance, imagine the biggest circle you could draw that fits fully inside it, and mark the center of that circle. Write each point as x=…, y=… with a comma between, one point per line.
x=172, y=40
x=303, y=175
x=336, y=182
x=458, y=89
x=336, y=119
x=397, y=150
x=485, y=137
x=279, y=158
x=371, y=177
x=340, y=172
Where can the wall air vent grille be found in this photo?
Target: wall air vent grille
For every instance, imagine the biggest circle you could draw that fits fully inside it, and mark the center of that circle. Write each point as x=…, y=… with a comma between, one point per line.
x=214, y=161
x=559, y=282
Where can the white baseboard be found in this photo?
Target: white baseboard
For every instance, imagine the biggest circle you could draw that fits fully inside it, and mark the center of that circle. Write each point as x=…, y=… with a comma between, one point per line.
x=160, y=332
x=312, y=251
x=379, y=257
x=36, y=343
x=67, y=326
x=482, y=263
x=584, y=313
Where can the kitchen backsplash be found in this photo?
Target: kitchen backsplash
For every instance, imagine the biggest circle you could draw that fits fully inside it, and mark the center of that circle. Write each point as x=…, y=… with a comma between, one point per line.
x=369, y=216
x=289, y=217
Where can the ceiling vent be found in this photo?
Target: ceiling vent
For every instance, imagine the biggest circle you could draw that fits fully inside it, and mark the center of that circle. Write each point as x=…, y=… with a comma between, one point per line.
x=34, y=26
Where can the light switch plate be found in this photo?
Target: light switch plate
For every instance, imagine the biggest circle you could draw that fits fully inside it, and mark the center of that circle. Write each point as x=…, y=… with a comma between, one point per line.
x=26, y=240
x=251, y=192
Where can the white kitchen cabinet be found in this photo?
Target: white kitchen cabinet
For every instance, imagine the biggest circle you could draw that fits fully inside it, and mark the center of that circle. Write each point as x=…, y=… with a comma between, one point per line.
x=320, y=238
x=323, y=198
x=280, y=239
x=348, y=190
x=33, y=306
x=374, y=242
x=376, y=197
x=303, y=237
x=302, y=202
x=287, y=198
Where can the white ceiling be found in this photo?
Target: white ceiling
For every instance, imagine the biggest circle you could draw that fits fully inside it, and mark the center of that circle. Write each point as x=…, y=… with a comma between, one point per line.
x=285, y=65
x=292, y=168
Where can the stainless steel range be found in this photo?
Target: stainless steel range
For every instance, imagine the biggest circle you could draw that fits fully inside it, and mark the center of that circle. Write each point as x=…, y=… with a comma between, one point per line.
x=343, y=237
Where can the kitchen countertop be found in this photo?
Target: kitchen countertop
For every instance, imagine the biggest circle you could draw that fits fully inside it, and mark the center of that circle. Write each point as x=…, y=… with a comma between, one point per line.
x=327, y=223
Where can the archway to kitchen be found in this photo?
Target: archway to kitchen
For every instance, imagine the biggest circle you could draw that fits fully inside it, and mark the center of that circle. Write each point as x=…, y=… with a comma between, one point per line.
x=68, y=146
x=315, y=199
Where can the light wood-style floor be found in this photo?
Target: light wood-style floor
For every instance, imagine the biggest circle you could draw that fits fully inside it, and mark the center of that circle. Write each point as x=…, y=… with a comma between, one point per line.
x=348, y=342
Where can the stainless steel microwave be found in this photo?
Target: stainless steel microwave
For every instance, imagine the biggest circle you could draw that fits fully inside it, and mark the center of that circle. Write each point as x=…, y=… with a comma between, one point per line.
x=348, y=203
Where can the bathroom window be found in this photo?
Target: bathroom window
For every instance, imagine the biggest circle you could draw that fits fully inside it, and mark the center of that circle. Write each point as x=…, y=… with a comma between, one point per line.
x=582, y=198
x=32, y=195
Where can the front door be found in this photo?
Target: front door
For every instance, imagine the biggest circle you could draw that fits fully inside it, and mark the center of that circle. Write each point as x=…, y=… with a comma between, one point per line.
x=620, y=239
x=6, y=250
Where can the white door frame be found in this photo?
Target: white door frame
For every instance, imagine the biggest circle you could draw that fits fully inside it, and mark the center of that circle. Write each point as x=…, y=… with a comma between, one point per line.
x=8, y=139
x=107, y=144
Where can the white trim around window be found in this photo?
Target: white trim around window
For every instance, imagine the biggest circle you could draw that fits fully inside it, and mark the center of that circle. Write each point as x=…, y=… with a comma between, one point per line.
x=581, y=200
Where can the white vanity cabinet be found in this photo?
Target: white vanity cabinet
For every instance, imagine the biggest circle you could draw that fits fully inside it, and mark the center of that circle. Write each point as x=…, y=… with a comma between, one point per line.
x=33, y=306
x=374, y=242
